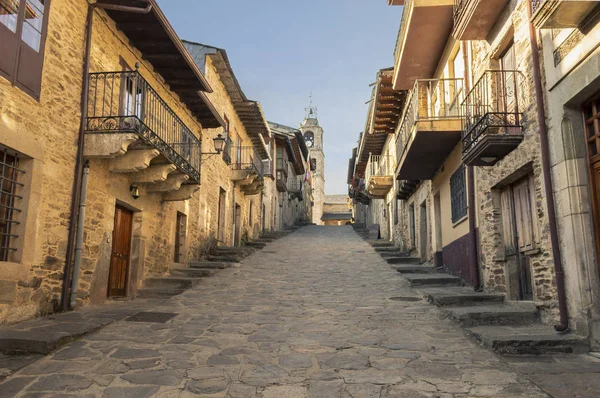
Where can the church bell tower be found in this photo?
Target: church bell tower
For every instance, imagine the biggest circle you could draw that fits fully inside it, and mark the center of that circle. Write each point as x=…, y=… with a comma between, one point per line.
x=313, y=136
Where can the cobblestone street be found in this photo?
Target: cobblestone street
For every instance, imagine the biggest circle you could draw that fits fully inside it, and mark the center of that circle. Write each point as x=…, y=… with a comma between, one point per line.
x=308, y=316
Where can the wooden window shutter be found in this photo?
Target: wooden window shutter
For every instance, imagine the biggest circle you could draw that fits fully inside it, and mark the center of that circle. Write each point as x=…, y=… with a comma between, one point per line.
x=524, y=215
x=32, y=38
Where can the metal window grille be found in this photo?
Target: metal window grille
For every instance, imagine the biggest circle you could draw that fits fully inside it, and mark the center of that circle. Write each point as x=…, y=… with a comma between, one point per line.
x=458, y=194
x=9, y=200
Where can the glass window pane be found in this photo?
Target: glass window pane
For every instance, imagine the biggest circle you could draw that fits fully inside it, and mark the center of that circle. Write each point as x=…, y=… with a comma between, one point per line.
x=32, y=28
x=9, y=11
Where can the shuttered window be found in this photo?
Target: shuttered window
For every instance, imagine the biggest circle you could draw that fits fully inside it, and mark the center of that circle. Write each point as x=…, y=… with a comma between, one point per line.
x=458, y=194
x=23, y=26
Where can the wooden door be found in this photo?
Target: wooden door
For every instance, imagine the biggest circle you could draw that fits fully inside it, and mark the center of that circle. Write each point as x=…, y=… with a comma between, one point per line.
x=221, y=214
x=180, y=235
x=591, y=115
x=120, y=255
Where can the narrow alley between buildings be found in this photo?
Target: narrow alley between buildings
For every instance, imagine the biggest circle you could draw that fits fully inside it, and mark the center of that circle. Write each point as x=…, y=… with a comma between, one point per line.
x=317, y=313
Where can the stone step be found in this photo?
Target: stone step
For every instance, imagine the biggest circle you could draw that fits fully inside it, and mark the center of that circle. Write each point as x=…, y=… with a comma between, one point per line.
x=509, y=313
x=223, y=258
x=177, y=282
x=403, y=260
x=394, y=253
x=256, y=245
x=235, y=251
x=528, y=340
x=153, y=292
x=380, y=243
x=385, y=249
x=413, y=268
x=209, y=264
x=193, y=272
x=416, y=280
x=265, y=240
x=456, y=296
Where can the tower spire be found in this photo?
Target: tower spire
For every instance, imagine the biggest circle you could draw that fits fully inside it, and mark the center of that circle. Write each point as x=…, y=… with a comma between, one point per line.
x=311, y=111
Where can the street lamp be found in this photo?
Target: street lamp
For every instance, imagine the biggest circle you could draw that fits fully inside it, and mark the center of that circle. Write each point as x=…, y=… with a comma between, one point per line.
x=219, y=143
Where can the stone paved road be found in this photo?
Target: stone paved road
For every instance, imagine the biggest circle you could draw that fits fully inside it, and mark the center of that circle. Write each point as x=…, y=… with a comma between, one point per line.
x=308, y=316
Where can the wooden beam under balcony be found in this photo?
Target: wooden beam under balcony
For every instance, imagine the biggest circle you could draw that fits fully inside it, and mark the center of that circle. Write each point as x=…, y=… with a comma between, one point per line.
x=560, y=14
x=474, y=19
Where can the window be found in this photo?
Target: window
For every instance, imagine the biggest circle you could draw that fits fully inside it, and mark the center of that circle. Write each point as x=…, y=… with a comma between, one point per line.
x=458, y=194
x=508, y=64
x=180, y=237
x=9, y=201
x=23, y=25
x=313, y=165
x=279, y=158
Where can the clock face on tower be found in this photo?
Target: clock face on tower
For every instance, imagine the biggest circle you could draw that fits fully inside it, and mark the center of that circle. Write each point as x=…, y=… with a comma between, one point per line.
x=309, y=139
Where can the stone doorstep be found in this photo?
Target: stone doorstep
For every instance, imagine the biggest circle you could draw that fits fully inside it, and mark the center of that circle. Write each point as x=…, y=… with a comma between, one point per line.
x=528, y=340
x=507, y=313
x=209, y=264
x=414, y=269
x=147, y=292
x=46, y=334
x=240, y=250
x=433, y=280
x=379, y=243
x=384, y=249
x=223, y=258
x=176, y=282
x=193, y=272
x=394, y=253
x=256, y=245
x=452, y=296
x=403, y=260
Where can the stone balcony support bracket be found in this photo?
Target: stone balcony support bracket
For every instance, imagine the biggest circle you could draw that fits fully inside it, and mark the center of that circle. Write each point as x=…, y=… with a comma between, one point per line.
x=107, y=145
x=173, y=183
x=153, y=174
x=133, y=161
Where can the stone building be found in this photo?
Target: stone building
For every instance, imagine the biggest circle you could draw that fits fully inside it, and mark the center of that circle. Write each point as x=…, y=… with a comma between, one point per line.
x=477, y=186
x=144, y=119
x=290, y=192
x=337, y=210
x=313, y=136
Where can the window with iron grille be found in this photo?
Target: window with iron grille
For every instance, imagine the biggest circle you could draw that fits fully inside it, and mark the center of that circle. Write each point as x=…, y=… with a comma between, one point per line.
x=9, y=201
x=458, y=194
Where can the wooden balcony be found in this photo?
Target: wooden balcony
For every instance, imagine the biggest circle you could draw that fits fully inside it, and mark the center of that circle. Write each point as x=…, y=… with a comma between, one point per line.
x=379, y=176
x=559, y=14
x=492, y=127
x=424, y=31
x=474, y=19
x=281, y=180
x=431, y=128
x=294, y=188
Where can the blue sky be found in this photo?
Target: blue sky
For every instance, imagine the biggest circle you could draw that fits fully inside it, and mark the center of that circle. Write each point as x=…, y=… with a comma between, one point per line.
x=281, y=50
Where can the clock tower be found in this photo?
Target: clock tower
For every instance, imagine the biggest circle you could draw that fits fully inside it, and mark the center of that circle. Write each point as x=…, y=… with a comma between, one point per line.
x=313, y=136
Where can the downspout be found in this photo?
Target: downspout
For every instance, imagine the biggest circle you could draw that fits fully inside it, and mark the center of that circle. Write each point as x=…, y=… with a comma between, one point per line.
x=76, y=195
x=543, y=132
x=473, y=252
x=79, y=241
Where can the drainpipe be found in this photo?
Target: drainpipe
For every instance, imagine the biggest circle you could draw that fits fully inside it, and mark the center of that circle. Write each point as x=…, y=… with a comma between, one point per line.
x=543, y=132
x=473, y=252
x=79, y=240
x=77, y=183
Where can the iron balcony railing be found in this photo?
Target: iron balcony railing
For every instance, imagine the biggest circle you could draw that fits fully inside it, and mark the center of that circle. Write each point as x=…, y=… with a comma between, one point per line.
x=124, y=102
x=536, y=4
x=294, y=185
x=246, y=158
x=429, y=100
x=378, y=166
x=268, y=167
x=402, y=30
x=493, y=106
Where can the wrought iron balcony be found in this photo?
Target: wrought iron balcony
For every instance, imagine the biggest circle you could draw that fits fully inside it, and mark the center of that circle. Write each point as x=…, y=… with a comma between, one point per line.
x=430, y=129
x=124, y=102
x=294, y=188
x=492, y=124
x=474, y=19
x=560, y=14
x=247, y=158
